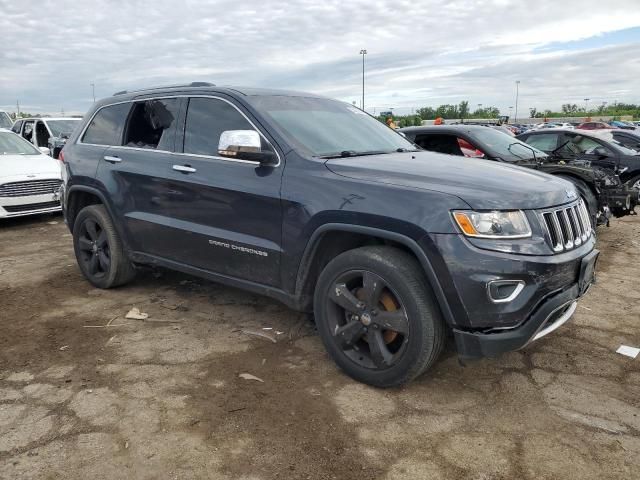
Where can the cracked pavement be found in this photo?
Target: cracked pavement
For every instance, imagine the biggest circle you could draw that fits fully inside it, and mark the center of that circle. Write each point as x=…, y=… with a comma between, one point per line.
x=162, y=398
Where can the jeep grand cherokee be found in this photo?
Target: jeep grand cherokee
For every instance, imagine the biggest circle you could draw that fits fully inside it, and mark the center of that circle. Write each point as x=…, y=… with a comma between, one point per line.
x=315, y=203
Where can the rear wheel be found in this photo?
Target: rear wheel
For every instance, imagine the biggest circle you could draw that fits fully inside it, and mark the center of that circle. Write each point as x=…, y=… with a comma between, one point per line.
x=376, y=316
x=99, y=250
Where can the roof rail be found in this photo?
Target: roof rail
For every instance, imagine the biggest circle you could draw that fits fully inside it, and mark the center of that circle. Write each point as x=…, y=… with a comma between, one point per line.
x=192, y=84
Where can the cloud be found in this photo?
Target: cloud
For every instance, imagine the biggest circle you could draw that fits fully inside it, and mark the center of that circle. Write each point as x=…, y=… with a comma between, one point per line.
x=420, y=53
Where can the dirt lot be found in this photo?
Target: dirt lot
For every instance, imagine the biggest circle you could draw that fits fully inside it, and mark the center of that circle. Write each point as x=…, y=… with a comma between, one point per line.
x=162, y=398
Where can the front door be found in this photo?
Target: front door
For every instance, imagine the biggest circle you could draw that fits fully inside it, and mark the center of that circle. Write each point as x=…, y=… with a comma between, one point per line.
x=227, y=213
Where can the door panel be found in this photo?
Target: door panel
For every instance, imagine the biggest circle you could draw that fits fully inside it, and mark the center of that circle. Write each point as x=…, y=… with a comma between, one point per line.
x=226, y=217
x=136, y=175
x=228, y=211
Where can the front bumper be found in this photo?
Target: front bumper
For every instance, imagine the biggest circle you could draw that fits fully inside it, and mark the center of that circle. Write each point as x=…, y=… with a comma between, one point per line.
x=553, y=313
x=548, y=285
x=29, y=205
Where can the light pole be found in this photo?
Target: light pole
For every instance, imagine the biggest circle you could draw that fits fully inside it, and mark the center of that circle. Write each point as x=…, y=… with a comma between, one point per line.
x=586, y=105
x=515, y=120
x=363, y=52
x=93, y=91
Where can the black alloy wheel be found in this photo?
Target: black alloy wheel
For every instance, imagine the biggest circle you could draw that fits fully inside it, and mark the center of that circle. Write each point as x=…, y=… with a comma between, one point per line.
x=94, y=248
x=377, y=315
x=368, y=321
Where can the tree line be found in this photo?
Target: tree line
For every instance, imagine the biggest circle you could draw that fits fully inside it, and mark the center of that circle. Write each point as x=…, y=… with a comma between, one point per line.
x=463, y=111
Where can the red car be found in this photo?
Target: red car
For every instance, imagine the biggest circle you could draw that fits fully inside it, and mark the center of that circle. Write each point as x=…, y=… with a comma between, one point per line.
x=594, y=126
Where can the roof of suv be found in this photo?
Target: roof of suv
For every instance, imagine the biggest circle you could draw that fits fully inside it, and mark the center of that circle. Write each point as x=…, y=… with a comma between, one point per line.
x=201, y=88
x=46, y=119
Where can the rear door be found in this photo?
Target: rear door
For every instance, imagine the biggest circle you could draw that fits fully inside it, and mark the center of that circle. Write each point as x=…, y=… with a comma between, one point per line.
x=225, y=214
x=136, y=173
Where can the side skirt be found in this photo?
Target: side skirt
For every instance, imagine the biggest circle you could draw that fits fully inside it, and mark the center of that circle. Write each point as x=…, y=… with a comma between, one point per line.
x=288, y=299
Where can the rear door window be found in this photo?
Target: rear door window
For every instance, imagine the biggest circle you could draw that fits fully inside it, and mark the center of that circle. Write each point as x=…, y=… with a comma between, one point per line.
x=546, y=142
x=207, y=118
x=106, y=126
x=152, y=124
x=16, y=127
x=439, y=142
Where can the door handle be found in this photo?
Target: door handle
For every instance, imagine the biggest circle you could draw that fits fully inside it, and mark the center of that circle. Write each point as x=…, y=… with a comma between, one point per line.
x=184, y=168
x=111, y=159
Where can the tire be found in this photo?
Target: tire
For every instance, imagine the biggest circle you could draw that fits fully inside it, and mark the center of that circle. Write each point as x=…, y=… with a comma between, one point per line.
x=385, y=287
x=634, y=182
x=99, y=250
x=587, y=195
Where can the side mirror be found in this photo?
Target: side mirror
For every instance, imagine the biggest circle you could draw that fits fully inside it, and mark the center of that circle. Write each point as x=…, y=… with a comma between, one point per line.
x=245, y=145
x=45, y=150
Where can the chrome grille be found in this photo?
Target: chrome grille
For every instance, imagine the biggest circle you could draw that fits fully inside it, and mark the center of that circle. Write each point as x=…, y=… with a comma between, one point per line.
x=29, y=187
x=567, y=227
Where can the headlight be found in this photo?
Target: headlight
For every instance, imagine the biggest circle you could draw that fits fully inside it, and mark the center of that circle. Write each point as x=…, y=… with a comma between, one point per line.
x=512, y=224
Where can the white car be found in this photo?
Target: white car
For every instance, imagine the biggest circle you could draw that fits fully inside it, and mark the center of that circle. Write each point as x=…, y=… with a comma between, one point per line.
x=29, y=178
x=47, y=131
x=547, y=125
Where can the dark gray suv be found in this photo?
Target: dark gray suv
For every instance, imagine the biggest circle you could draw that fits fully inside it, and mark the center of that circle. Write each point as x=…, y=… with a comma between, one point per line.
x=313, y=202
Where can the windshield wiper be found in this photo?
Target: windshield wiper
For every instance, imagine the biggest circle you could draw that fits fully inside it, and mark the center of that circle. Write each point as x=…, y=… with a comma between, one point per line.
x=353, y=153
x=557, y=150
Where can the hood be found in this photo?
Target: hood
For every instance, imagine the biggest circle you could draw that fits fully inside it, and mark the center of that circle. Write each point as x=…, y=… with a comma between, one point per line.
x=483, y=184
x=18, y=165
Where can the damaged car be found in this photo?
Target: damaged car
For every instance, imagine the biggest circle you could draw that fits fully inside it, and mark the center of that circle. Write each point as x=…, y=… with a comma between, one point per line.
x=317, y=204
x=601, y=189
x=51, y=133
x=599, y=148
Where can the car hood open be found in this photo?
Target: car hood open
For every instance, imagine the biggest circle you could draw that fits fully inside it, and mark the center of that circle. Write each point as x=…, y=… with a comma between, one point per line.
x=16, y=165
x=483, y=184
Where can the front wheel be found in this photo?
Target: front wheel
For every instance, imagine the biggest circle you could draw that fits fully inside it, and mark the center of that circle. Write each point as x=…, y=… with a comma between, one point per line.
x=99, y=250
x=377, y=317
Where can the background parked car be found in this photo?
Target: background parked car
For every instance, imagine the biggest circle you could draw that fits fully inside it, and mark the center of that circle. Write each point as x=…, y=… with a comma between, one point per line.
x=627, y=138
x=47, y=132
x=29, y=178
x=594, y=126
x=598, y=187
x=597, y=148
x=622, y=125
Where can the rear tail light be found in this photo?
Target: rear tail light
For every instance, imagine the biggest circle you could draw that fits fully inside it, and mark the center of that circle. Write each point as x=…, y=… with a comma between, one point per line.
x=61, y=156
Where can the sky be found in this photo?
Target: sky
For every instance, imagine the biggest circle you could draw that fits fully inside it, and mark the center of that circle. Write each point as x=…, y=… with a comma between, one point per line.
x=419, y=52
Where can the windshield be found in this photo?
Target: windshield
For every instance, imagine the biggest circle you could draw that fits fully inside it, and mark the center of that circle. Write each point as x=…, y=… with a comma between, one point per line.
x=5, y=120
x=324, y=127
x=62, y=127
x=505, y=146
x=12, y=144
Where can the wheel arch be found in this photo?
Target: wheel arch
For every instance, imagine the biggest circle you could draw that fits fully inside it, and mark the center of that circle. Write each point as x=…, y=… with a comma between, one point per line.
x=80, y=196
x=574, y=176
x=341, y=237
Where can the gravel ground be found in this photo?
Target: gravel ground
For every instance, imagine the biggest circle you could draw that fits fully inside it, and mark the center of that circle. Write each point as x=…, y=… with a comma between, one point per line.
x=85, y=393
